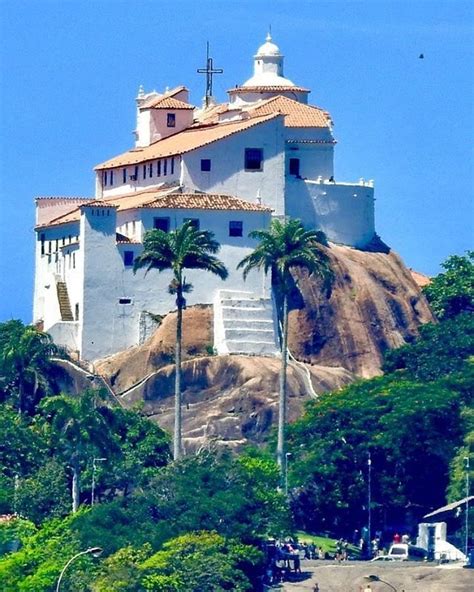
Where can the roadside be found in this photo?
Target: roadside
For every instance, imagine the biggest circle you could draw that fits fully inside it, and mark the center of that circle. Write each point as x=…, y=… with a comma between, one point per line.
x=404, y=577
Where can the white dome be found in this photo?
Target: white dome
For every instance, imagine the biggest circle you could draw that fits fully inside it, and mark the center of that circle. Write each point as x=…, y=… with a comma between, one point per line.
x=268, y=48
x=268, y=79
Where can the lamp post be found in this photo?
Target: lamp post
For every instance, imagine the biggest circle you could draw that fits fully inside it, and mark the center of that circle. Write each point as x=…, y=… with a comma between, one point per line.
x=94, y=468
x=466, y=464
x=369, y=500
x=287, y=456
x=95, y=551
x=374, y=578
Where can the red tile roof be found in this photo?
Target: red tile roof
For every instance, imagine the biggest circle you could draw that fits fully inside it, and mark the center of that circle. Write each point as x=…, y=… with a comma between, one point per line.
x=296, y=114
x=205, y=201
x=185, y=141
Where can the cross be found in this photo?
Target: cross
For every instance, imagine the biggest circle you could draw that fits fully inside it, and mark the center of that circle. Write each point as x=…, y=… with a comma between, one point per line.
x=209, y=70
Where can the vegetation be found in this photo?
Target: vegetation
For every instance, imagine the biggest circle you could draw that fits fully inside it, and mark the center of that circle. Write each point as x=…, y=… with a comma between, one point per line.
x=198, y=523
x=452, y=292
x=286, y=246
x=184, y=248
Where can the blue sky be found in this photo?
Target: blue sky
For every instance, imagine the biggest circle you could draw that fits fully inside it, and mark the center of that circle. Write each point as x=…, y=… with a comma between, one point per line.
x=70, y=70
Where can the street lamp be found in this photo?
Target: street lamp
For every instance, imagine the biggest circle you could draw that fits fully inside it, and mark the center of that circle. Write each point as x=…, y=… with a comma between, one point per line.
x=287, y=456
x=369, y=499
x=466, y=461
x=94, y=468
x=94, y=551
x=374, y=578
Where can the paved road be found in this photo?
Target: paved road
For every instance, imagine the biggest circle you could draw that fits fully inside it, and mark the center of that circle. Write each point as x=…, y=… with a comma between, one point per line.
x=404, y=577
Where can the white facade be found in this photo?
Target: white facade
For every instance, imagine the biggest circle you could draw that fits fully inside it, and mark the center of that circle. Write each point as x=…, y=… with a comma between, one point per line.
x=267, y=146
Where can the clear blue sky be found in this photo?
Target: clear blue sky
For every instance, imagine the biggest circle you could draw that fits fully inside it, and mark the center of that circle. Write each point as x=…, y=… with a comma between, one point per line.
x=71, y=69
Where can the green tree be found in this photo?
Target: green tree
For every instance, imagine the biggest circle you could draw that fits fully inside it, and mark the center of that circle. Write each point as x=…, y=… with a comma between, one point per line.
x=78, y=431
x=201, y=562
x=25, y=364
x=452, y=292
x=284, y=247
x=441, y=349
x=184, y=248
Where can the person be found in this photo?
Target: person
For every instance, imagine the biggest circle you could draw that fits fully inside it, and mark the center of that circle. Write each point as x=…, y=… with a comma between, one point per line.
x=312, y=551
x=296, y=563
x=316, y=587
x=355, y=537
x=305, y=549
x=345, y=549
x=396, y=538
x=321, y=553
x=339, y=546
x=406, y=539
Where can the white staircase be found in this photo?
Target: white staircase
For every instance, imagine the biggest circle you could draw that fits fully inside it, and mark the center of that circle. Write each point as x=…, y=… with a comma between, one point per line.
x=244, y=324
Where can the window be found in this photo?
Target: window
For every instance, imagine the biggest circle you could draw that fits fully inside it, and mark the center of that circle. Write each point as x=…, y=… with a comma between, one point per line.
x=76, y=312
x=205, y=165
x=194, y=222
x=42, y=237
x=144, y=171
x=74, y=261
x=172, y=165
x=161, y=224
x=170, y=120
x=236, y=228
x=158, y=168
x=165, y=167
x=111, y=178
x=128, y=257
x=150, y=170
x=125, y=301
x=295, y=166
x=253, y=159
x=124, y=175
x=104, y=178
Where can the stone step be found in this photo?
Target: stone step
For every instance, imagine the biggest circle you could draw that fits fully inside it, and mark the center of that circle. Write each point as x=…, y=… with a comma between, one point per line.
x=256, y=348
x=246, y=323
x=249, y=334
x=63, y=300
x=246, y=303
x=232, y=313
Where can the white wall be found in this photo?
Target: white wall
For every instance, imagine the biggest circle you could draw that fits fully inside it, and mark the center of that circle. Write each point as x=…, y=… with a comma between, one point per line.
x=109, y=326
x=120, y=188
x=227, y=173
x=345, y=212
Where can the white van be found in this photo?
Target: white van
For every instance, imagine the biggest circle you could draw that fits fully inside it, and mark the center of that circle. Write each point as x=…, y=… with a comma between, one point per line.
x=405, y=552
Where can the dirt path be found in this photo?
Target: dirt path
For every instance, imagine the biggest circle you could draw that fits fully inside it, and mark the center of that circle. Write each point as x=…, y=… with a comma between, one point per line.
x=404, y=577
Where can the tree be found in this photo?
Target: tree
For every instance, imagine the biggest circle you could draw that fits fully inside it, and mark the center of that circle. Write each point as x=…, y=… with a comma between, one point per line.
x=284, y=247
x=452, y=292
x=25, y=363
x=77, y=431
x=184, y=248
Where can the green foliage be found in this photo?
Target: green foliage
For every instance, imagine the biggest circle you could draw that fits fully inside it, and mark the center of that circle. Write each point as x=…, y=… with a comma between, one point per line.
x=452, y=292
x=45, y=494
x=463, y=462
x=14, y=532
x=440, y=350
x=201, y=562
x=25, y=365
x=412, y=431
x=286, y=246
x=121, y=571
x=38, y=563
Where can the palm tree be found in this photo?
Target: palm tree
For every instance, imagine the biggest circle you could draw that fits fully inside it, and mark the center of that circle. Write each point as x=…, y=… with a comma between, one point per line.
x=25, y=367
x=184, y=248
x=285, y=246
x=78, y=431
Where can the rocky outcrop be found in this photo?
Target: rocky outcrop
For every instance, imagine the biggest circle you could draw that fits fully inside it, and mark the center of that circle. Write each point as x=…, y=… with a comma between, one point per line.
x=373, y=304
x=232, y=400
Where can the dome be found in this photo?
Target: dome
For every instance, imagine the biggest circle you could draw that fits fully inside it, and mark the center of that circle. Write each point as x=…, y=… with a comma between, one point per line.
x=268, y=48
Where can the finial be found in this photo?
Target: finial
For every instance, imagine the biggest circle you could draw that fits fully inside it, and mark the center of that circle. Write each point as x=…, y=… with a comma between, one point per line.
x=268, y=38
x=141, y=90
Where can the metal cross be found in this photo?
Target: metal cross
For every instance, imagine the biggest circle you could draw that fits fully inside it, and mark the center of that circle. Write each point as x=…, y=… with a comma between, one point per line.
x=209, y=70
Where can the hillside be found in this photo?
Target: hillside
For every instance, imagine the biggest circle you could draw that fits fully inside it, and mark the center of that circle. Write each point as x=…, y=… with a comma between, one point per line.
x=373, y=304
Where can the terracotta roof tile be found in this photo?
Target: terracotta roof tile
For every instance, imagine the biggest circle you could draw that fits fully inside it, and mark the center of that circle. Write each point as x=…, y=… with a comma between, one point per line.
x=165, y=103
x=240, y=89
x=205, y=201
x=184, y=141
x=296, y=114
x=121, y=202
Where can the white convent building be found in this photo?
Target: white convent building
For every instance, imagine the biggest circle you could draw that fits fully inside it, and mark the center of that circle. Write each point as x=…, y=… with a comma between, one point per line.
x=229, y=167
